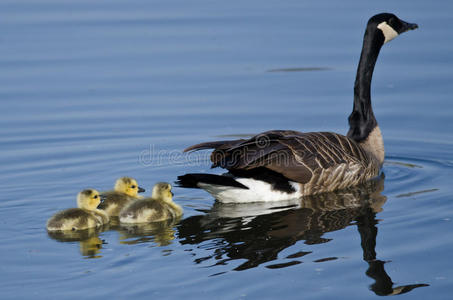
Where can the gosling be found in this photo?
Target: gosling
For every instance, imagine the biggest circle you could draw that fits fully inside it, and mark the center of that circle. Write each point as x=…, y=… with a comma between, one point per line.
x=85, y=216
x=125, y=191
x=157, y=208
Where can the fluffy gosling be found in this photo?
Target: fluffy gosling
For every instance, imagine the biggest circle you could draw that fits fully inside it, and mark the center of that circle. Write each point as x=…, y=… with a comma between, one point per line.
x=125, y=191
x=157, y=208
x=85, y=216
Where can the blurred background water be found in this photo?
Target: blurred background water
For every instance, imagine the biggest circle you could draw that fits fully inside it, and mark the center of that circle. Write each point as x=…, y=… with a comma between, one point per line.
x=94, y=90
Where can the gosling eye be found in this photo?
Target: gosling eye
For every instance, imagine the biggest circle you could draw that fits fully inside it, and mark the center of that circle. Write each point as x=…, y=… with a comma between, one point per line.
x=133, y=186
x=95, y=197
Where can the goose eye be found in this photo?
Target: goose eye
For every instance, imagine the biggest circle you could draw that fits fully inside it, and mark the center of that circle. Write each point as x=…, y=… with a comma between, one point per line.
x=392, y=22
x=133, y=186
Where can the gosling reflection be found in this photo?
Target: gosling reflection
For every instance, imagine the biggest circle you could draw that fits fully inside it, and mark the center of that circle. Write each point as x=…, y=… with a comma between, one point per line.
x=257, y=233
x=161, y=233
x=90, y=244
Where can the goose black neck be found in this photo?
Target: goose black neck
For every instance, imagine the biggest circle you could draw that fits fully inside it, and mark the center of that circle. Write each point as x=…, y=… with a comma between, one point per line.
x=362, y=120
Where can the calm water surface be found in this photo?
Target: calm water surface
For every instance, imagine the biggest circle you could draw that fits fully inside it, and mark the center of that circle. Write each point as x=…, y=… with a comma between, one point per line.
x=95, y=90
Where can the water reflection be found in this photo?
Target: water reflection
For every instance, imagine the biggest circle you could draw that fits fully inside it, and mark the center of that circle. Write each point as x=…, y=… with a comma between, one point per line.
x=161, y=233
x=383, y=285
x=257, y=233
x=89, y=242
x=301, y=69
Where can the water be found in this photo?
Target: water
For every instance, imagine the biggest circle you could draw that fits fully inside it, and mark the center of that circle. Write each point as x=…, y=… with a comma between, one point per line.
x=92, y=91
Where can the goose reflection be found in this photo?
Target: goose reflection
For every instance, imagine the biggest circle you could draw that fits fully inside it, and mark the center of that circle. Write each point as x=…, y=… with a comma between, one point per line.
x=259, y=232
x=383, y=284
x=90, y=244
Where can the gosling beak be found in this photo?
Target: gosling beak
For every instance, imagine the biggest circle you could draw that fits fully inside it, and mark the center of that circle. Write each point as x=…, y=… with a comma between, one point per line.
x=141, y=190
x=172, y=194
x=103, y=197
x=408, y=26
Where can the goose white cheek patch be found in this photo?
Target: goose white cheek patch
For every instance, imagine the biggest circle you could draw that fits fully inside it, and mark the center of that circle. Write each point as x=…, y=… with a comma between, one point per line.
x=388, y=31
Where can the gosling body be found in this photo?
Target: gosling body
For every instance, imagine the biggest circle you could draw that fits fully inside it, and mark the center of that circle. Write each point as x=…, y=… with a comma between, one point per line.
x=158, y=207
x=125, y=191
x=85, y=216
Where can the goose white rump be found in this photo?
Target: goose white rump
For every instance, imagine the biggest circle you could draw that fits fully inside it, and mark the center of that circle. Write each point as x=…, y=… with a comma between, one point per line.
x=258, y=191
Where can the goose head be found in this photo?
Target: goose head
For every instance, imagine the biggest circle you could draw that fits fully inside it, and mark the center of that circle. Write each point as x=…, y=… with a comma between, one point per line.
x=162, y=191
x=88, y=199
x=128, y=186
x=388, y=26
x=381, y=28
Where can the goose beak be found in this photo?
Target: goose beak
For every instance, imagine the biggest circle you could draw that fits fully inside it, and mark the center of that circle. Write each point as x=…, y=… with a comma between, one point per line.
x=141, y=190
x=408, y=26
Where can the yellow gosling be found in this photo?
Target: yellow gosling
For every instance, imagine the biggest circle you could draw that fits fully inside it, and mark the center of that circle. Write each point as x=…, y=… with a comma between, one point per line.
x=157, y=208
x=85, y=216
x=125, y=191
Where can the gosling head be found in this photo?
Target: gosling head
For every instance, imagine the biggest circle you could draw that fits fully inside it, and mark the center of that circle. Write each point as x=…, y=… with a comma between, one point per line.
x=162, y=191
x=128, y=186
x=388, y=26
x=88, y=199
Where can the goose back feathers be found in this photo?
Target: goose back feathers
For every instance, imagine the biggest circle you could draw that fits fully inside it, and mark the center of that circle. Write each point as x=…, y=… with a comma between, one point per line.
x=317, y=161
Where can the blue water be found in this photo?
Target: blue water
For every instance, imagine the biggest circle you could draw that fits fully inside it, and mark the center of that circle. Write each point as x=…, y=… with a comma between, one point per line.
x=94, y=90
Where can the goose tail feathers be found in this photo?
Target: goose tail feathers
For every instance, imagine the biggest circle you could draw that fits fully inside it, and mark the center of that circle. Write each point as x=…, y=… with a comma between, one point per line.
x=194, y=180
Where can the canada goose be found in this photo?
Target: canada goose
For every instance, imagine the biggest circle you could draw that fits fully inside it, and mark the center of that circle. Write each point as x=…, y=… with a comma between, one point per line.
x=85, y=216
x=157, y=208
x=283, y=164
x=125, y=191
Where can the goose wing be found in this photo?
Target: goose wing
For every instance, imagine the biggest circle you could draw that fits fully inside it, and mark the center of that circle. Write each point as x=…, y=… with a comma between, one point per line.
x=295, y=155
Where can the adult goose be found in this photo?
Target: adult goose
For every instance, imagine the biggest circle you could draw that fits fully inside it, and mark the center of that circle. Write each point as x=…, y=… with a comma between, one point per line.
x=285, y=164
